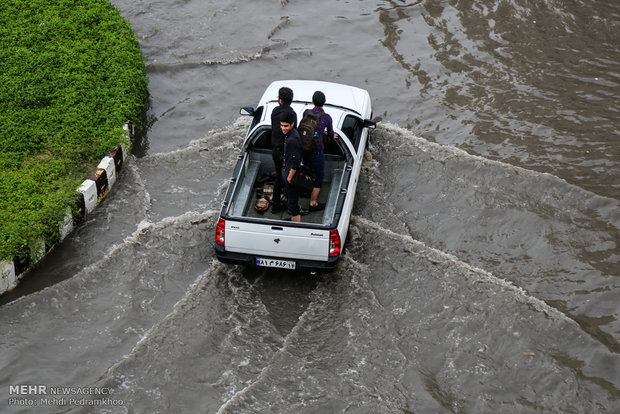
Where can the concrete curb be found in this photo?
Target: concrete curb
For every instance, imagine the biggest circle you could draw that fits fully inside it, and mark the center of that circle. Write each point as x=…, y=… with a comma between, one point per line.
x=92, y=191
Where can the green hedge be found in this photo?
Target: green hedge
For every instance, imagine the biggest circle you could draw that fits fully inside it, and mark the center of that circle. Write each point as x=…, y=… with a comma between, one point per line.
x=71, y=75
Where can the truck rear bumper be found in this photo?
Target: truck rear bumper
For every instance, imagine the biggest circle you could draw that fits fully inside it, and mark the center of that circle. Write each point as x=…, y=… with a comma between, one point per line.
x=250, y=260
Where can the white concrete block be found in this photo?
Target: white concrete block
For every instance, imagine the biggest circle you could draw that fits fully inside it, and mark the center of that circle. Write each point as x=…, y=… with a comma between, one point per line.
x=125, y=154
x=38, y=251
x=89, y=189
x=66, y=227
x=8, y=279
x=107, y=164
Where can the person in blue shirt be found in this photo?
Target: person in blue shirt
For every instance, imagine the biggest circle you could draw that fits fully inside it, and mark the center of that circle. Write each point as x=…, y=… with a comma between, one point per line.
x=293, y=155
x=316, y=158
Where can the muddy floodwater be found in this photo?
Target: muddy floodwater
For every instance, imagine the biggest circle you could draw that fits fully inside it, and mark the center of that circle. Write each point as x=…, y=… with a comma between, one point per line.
x=482, y=269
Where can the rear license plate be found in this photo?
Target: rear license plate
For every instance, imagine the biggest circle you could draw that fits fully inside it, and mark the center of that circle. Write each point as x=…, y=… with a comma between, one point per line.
x=280, y=264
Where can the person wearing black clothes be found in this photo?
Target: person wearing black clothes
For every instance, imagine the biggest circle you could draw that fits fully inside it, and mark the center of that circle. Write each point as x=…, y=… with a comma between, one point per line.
x=292, y=160
x=285, y=97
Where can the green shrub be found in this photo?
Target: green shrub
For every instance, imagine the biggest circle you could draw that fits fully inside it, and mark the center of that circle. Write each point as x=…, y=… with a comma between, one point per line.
x=72, y=75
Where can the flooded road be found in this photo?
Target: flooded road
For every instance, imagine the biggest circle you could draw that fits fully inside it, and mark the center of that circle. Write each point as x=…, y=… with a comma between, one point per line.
x=481, y=272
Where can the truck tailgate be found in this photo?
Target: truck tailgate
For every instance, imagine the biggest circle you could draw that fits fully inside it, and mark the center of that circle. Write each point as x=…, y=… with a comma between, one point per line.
x=277, y=240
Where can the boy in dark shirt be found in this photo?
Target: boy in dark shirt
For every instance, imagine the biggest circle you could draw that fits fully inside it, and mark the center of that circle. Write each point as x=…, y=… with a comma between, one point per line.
x=285, y=97
x=292, y=160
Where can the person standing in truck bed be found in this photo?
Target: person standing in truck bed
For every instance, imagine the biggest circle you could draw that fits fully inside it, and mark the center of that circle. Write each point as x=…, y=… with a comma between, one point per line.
x=316, y=158
x=292, y=160
x=285, y=97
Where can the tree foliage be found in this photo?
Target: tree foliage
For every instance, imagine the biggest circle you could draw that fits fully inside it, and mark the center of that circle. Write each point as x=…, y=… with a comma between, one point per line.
x=72, y=75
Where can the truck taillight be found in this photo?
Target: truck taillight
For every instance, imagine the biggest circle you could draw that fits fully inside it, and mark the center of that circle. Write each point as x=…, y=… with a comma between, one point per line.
x=219, y=232
x=334, y=243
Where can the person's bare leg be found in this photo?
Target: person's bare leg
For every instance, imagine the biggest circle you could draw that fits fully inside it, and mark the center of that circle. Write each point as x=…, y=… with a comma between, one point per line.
x=296, y=218
x=314, y=197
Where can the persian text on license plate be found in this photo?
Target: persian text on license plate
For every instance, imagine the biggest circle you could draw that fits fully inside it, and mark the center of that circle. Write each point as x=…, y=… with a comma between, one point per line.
x=281, y=264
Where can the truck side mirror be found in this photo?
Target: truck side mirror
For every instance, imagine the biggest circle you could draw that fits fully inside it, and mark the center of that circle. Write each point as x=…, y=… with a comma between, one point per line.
x=369, y=124
x=247, y=110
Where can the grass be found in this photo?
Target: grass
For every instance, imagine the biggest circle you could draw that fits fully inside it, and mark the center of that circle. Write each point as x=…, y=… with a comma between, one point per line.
x=71, y=75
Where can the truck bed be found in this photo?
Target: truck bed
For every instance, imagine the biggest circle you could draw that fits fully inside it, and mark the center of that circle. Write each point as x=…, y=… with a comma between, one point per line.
x=258, y=164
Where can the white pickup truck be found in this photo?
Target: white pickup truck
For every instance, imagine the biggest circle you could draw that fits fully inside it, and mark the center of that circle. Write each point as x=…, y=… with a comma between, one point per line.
x=249, y=237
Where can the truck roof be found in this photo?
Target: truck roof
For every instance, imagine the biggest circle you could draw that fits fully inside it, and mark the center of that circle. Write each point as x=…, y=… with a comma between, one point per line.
x=336, y=94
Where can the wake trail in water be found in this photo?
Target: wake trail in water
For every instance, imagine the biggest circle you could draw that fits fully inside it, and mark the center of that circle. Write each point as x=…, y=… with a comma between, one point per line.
x=116, y=249
x=608, y=208
x=188, y=302
x=318, y=309
x=219, y=325
x=242, y=57
x=553, y=239
x=227, y=138
x=147, y=226
x=476, y=275
x=77, y=328
x=379, y=339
